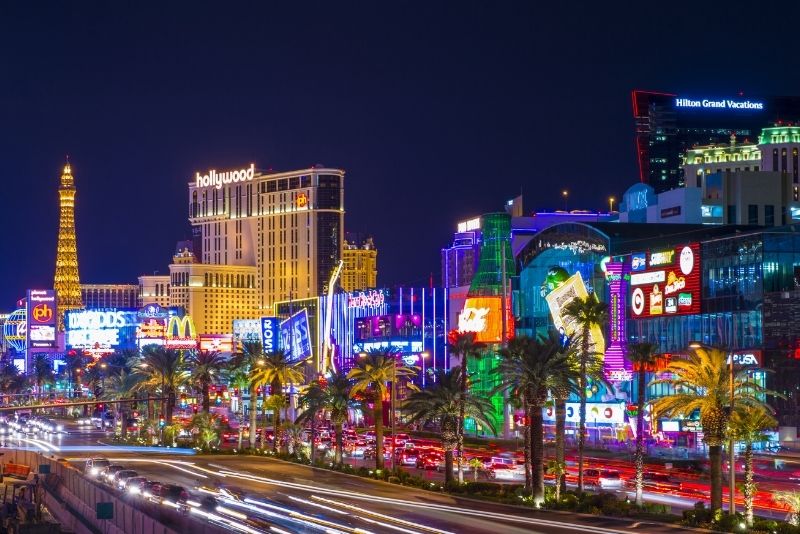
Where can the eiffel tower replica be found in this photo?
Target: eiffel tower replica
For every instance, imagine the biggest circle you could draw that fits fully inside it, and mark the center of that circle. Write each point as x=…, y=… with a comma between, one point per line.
x=67, y=282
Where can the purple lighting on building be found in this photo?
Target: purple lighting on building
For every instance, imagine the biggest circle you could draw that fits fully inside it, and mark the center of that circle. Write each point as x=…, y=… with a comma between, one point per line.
x=616, y=367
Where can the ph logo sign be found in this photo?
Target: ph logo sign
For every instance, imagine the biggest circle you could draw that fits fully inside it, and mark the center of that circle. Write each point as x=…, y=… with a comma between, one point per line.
x=42, y=313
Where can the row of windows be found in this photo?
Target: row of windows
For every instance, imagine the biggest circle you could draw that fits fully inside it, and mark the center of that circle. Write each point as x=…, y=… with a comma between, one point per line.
x=229, y=280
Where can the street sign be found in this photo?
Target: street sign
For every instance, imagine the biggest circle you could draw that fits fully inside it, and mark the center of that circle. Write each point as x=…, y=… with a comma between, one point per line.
x=44, y=469
x=104, y=510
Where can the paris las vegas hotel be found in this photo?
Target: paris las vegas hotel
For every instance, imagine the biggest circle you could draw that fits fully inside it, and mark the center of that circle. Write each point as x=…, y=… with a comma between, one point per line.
x=259, y=238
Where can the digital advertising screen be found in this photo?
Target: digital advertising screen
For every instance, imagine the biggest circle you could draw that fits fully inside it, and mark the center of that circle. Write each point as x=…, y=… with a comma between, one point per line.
x=665, y=282
x=41, y=318
x=483, y=315
x=295, y=336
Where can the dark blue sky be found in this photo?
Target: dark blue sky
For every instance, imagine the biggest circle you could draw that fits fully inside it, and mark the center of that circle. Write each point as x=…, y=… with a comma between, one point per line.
x=437, y=112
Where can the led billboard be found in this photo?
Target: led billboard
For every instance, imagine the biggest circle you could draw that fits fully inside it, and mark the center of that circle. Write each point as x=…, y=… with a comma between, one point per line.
x=573, y=287
x=483, y=316
x=670, y=284
x=295, y=336
x=42, y=316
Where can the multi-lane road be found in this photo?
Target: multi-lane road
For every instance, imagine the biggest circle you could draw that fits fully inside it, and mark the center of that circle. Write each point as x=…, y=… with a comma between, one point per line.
x=266, y=495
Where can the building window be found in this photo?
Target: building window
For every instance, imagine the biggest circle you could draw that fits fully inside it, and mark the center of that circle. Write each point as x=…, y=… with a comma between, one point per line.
x=774, y=159
x=752, y=214
x=732, y=214
x=783, y=160
x=794, y=165
x=769, y=215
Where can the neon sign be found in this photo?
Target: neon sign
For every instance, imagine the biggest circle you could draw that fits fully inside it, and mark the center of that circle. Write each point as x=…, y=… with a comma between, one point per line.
x=705, y=103
x=217, y=179
x=369, y=299
x=470, y=225
x=616, y=367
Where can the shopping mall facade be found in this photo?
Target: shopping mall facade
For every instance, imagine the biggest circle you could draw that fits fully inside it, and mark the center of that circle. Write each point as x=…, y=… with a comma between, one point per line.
x=673, y=285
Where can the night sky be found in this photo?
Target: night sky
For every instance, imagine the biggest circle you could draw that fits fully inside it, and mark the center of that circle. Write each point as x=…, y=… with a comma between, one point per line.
x=437, y=112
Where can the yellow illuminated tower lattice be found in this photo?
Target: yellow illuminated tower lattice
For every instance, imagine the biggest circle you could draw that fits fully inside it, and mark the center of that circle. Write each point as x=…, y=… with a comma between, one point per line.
x=67, y=283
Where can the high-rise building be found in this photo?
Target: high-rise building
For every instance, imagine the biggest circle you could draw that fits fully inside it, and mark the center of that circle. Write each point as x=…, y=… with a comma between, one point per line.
x=213, y=295
x=287, y=226
x=110, y=296
x=667, y=125
x=154, y=289
x=360, y=269
x=67, y=282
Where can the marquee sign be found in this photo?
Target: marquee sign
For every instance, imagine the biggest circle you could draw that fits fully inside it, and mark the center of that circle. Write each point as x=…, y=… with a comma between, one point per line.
x=669, y=284
x=373, y=298
x=42, y=316
x=218, y=179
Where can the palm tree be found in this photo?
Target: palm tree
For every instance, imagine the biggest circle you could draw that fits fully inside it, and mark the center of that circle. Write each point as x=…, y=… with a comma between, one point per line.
x=441, y=402
x=203, y=365
x=246, y=363
x=462, y=344
x=558, y=470
x=528, y=369
x=237, y=377
x=277, y=370
x=644, y=359
x=331, y=395
x=42, y=372
x=701, y=383
x=11, y=381
x=370, y=375
x=748, y=424
x=312, y=400
x=586, y=313
x=163, y=368
x=792, y=500
x=120, y=386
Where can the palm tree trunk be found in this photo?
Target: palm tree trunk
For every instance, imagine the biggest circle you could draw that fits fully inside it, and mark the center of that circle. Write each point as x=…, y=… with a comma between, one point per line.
x=527, y=449
x=378, y=413
x=124, y=418
x=448, y=466
x=170, y=404
x=253, y=414
x=640, y=436
x=206, y=399
x=748, y=483
x=339, y=442
x=582, y=410
x=561, y=424
x=715, y=457
x=313, y=436
x=536, y=425
x=461, y=416
x=276, y=388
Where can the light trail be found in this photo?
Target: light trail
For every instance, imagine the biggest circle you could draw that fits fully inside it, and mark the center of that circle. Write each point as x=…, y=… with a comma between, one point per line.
x=383, y=516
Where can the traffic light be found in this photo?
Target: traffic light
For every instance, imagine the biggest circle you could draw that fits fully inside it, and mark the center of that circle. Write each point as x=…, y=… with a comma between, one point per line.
x=195, y=408
x=183, y=400
x=161, y=421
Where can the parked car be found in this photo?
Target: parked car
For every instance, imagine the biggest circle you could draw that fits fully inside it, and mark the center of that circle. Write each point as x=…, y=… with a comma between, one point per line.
x=95, y=466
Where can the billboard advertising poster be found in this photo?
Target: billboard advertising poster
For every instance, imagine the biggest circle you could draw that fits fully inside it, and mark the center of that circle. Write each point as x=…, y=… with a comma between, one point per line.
x=216, y=342
x=573, y=287
x=596, y=412
x=270, y=334
x=295, y=336
x=41, y=305
x=483, y=316
x=669, y=285
x=246, y=330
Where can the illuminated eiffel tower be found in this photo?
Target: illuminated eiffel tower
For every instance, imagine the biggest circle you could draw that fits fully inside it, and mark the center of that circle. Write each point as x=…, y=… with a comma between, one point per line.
x=67, y=282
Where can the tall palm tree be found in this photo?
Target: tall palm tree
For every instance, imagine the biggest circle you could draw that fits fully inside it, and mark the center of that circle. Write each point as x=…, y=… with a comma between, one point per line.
x=75, y=364
x=165, y=369
x=312, y=402
x=441, y=402
x=237, y=377
x=11, y=380
x=748, y=424
x=463, y=345
x=586, y=313
x=337, y=401
x=370, y=376
x=701, y=383
x=246, y=363
x=528, y=369
x=42, y=372
x=644, y=358
x=121, y=385
x=203, y=365
x=277, y=371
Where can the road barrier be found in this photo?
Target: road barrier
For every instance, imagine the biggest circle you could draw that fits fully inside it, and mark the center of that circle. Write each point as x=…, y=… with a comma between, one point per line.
x=73, y=499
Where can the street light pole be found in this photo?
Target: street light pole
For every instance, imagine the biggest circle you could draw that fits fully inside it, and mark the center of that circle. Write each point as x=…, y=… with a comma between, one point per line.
x=394, y=383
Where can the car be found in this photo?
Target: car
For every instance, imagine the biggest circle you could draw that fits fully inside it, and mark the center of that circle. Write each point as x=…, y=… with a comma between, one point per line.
x=172, y=493
x=656, y=481
x=609, y=478
x=409, y=458
x=121, y=477
x=400, y=439
x=430, y=460
x=505, y=472
x=358, y=448
x=108, y=473
x=134, y=485
x=149, y=489
x=95, y=466
x=370, y=436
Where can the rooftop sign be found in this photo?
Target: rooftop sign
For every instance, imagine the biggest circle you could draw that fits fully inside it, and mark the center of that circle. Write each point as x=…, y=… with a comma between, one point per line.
x=705, y=103
x=218, y=179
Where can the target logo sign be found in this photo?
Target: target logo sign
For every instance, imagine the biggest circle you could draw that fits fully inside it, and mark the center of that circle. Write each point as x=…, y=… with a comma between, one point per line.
x=637, y=301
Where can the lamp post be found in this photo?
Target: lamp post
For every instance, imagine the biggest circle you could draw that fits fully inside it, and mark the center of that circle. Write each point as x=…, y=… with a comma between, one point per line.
x=731, y=442
x=611, y=204
x=423, y=356
x=565, y=194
